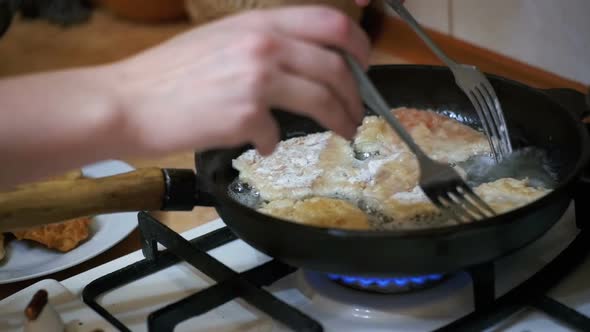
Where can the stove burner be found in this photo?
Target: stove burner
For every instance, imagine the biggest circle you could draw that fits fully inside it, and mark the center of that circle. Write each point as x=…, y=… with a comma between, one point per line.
x=389, y=285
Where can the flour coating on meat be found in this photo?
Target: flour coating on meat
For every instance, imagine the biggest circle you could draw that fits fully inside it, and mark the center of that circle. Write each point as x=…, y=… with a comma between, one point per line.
x=289, y=172
x=440, y=137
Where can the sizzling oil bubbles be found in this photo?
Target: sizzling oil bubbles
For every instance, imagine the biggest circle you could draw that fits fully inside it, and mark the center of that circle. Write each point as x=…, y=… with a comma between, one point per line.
x=244, y=194
x=527, y=163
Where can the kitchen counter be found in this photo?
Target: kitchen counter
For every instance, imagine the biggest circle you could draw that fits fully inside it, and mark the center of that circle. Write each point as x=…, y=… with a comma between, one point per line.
x=33, y=46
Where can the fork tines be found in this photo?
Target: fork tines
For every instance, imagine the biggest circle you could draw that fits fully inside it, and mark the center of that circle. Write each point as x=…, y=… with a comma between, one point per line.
x=490, y=112
x=460, y=204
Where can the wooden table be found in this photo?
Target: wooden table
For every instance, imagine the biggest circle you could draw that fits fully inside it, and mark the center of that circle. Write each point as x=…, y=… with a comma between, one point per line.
x=32, y=46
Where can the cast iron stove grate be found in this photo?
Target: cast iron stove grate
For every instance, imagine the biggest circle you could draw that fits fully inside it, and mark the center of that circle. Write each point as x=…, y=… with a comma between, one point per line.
x=230, y=284
x=248, y=285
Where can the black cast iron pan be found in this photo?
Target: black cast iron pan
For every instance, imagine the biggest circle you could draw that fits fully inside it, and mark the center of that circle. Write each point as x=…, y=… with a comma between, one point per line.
x=550, y=120
x=535, y=119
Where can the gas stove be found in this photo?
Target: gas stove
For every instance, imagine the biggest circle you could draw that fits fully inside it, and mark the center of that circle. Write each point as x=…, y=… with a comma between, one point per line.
x=207, y=279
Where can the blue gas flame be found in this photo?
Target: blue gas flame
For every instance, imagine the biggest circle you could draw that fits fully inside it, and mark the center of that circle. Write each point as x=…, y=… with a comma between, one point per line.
x=386, y=282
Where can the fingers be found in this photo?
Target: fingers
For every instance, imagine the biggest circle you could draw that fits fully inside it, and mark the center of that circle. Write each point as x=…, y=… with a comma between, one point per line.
x=284, y=62
x=265, y=133
x=318, y=25
x=310, y=98
x=326, y=67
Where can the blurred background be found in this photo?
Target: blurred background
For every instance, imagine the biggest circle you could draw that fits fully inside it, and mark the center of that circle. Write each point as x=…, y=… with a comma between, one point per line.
x=554, y=35
x=547, y=34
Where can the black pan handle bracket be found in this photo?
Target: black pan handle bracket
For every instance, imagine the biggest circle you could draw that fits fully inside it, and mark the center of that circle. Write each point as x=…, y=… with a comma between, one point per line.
x=184, y=191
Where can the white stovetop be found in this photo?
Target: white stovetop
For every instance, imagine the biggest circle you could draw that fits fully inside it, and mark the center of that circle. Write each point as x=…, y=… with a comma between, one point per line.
x=336, y=308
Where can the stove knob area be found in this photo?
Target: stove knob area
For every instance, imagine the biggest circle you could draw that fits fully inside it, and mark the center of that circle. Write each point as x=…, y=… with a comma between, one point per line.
x=41, y=316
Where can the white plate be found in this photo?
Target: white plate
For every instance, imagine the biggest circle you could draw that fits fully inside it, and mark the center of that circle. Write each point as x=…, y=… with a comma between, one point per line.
x=75, y=314
x=26, y=260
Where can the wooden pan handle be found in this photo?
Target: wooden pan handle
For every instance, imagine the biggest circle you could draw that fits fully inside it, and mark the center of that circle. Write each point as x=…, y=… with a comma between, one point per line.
x=67, y=198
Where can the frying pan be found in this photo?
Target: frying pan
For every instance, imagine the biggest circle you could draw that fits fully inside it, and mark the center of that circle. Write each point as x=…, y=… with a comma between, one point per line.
x=546, y=119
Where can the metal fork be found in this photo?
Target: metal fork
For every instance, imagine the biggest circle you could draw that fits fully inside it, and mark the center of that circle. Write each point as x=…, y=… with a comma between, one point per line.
x=440, y=182
x=474, y=84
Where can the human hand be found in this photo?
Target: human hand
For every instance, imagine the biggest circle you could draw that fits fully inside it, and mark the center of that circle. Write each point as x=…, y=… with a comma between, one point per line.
x=214, y=86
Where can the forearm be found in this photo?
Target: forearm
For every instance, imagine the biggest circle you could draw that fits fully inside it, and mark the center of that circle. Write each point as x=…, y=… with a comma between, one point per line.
x=53, y=122
x=208, y=88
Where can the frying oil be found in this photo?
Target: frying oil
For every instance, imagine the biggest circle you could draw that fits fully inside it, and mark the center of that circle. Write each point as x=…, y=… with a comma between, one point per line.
x=528, y=163
x=244, y=194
